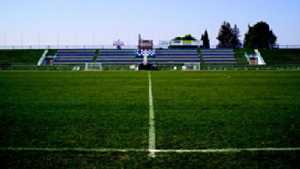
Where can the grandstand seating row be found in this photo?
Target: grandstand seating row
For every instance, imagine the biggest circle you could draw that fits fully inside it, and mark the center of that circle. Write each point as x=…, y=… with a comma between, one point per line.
x=114, y=56
x=74, y=56
x=125, y=56
x=129, y=56
x=218, y=56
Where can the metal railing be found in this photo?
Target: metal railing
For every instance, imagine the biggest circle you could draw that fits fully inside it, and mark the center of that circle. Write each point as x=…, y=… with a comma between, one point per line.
x=128, y=46
x=15, y=47
x=287, y=46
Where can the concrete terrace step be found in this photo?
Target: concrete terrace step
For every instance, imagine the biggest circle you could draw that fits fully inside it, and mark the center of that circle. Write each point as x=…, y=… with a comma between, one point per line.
x=174, y=55
x=178, y=60
x=76, y=51
x=117, y=60
x=74, y=56
x=118, y=57
x=219, y=59
x=220, y=62
x=224, y=56
x=113, y=55
x=217, y=49
x=71, y=62
x=177, y=56
x=218, y=56
x=218, y=53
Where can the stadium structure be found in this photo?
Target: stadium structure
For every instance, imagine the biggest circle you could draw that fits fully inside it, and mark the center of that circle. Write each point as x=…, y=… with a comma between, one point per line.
x=178, y=52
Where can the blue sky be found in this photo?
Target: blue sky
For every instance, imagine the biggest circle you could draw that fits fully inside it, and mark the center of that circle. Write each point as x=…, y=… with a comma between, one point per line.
x=77, y=22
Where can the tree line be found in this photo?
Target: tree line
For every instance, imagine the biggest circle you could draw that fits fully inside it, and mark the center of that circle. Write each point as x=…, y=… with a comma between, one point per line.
x=259, y=36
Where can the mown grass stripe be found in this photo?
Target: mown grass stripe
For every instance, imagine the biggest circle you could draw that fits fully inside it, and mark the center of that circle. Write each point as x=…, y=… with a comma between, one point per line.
x=226, y=150
x=107, y=150
x=77, y=149
x=152, y=136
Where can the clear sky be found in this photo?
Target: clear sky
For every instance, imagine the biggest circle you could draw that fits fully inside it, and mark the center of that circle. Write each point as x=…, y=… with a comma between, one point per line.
x=32, y=22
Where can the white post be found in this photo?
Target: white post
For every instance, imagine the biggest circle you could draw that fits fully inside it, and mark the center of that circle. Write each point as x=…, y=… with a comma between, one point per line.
x=86, y=67
x=145, y=54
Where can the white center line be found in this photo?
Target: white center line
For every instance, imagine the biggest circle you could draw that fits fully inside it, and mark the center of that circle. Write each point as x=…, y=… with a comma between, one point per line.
x=152, y=147
x=104, y=150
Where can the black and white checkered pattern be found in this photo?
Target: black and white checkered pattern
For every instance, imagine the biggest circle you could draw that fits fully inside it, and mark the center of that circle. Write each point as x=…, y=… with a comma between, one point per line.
x=150, y=53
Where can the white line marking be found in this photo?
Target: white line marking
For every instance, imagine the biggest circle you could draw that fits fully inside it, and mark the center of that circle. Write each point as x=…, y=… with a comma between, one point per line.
x=225, y=150
x=107, y=150
x=152, y=136
x=76, y=149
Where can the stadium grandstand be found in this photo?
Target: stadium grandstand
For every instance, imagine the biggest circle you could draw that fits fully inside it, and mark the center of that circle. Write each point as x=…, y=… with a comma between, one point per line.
x=180, y=51
x=74, y=56
x=218, y=56
x=175, y=56
x=116, y=56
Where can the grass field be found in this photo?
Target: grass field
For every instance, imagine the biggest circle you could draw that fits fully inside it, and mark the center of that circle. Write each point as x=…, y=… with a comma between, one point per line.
x=224, y=110
x=194, y=110
x=74, y=110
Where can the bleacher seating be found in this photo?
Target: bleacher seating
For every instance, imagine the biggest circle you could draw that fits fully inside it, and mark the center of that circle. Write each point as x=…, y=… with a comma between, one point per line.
x=175, y=56
x=218, y=56
x=115, y=56
x=125, y=56
x=74, y=56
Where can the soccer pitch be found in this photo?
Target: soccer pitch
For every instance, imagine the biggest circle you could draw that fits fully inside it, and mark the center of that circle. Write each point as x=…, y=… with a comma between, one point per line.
x=103, y=119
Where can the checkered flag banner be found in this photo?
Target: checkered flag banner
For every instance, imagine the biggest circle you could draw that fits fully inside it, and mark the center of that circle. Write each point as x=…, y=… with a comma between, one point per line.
x=150, y=53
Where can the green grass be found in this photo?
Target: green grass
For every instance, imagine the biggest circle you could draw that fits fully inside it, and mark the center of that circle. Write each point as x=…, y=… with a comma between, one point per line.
x=230, y=109
x=227, y=109
x=281, y=56
x=244, y=160
x=20, y=56
x=102, y=110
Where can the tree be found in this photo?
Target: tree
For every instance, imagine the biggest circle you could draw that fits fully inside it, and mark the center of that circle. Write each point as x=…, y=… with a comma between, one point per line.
x=260, y=36
x=186, y=37
x=225, y=36
x=205, y=40
x=236, y=43
x=189, y=37
x=229, y=37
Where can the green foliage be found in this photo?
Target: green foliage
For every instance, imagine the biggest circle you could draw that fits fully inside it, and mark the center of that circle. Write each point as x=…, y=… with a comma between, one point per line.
x=97, y=54
x=281, y=56
x=205, y=39
x=186, y=37
x=240, y=55
x=260, y=36
x=20, y=56
x=229, y=37
x=236, y=43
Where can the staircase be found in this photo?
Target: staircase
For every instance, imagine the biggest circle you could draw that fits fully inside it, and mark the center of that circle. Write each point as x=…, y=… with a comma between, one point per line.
x=218, y=56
